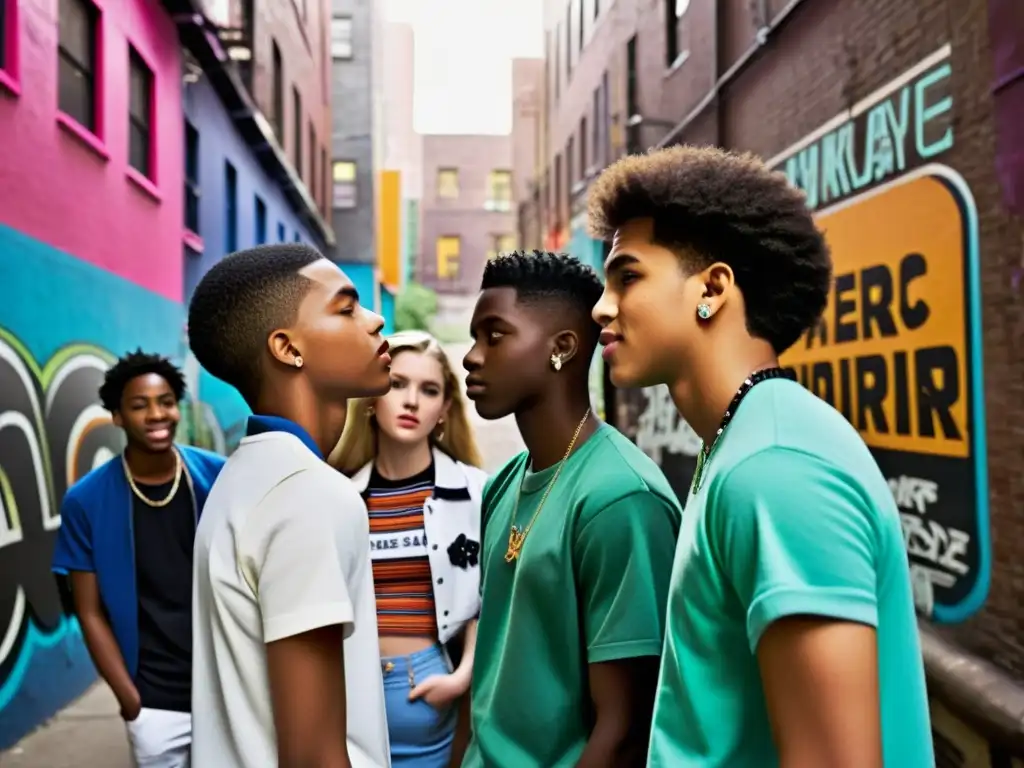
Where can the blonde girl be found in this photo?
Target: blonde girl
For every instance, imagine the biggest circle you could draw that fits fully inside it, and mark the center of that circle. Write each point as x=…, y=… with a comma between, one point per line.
x=412, y=455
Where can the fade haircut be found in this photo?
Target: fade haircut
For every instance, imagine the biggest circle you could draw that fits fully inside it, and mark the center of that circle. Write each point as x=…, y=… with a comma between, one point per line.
x=540, y=275
x=239, y=302
x=710, y=205
x=131, y=366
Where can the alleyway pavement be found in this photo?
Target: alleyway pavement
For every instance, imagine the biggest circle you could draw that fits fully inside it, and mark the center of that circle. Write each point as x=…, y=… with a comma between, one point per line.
x=90, y=734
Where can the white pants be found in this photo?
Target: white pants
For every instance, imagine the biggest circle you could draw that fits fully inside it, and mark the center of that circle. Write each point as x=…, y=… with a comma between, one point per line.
x=161, y=739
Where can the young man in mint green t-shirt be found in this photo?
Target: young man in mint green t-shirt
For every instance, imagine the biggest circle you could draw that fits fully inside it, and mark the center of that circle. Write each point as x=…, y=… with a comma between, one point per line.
x=579, y=536
x=791, y=635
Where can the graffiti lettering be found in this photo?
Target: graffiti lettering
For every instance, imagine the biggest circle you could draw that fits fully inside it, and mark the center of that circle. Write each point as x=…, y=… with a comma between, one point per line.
x=661, y=428
x=53, y=431
x=938, y=554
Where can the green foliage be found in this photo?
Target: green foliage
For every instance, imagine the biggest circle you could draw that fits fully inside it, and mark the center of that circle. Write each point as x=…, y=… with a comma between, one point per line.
x=415, y=308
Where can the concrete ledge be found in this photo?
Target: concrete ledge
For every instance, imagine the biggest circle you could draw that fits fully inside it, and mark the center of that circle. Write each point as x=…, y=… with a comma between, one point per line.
x=974, y=690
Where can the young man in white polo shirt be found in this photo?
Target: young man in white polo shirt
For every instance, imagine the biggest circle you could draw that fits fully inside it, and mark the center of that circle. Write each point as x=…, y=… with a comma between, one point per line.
x=285, y=630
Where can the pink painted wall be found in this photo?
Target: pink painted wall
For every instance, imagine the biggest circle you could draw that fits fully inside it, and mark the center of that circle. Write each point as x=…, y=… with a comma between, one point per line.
x=63, y=190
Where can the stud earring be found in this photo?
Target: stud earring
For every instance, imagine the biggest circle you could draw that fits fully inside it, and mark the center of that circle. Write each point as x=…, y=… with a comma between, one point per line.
x=369, y=412
x=556, y=362
x=298, y=361
x=703, y=311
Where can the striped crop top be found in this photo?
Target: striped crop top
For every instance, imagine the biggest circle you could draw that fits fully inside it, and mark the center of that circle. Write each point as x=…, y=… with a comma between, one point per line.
x=398, y=550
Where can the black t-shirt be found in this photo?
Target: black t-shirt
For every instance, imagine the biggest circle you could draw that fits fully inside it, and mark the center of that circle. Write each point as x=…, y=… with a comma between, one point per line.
x=163, y=576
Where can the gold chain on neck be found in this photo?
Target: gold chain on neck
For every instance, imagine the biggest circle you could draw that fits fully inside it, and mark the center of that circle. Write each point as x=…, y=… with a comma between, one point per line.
x=151, y=502
x=517, y=535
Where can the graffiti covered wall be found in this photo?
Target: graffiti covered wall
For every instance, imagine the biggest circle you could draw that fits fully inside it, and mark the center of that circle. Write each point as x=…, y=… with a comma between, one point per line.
x=61, y=324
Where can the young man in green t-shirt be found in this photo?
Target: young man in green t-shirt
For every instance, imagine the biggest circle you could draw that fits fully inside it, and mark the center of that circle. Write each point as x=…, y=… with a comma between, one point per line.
x=791, y=632
x=579, y=535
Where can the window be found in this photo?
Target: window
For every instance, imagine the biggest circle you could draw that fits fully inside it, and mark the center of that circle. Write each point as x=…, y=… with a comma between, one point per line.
x=448, y=183
x=140, y=114
x=583, y=17
x=597, y=8
x=557, y=202
x=277, y=118
x=324, y=189
x=311, y=179
x=674, y=11
x=449, y=248
x=570, y=165
x=297, y=130
x=604, y=121
x=501, y=244
x=230, y=208
x=297, y=238
x=341, y=37
x=79, y=34
x=281, y=234
x=9, y=44
x=632, y=98
x=191, y=177
x=499, y=191
x=596, y=136
x=260, y=235
x=584, y=159
x=568, y=42
x=344, y=176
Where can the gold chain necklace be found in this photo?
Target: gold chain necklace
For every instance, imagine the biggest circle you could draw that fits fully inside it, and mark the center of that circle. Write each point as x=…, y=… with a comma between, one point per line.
x=517, y=534
x=135, y=489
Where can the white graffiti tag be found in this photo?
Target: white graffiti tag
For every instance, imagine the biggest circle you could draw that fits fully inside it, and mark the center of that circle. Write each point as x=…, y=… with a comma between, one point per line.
x=660, y=427
x=937, y=552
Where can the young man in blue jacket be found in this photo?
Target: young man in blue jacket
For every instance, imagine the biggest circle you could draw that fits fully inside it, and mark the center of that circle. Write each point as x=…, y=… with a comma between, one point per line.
x=126, y=541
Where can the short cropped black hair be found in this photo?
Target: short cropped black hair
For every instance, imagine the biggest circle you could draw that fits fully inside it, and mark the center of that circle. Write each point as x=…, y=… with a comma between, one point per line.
x=131, y=366
x=540, y=274
x=710, y=205
x=239, y=302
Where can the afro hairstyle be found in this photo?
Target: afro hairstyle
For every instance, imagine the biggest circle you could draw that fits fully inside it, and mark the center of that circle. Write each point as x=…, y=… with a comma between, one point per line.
x=239, y=303
x=540, y=275
x=131, y=366
x=709, y=205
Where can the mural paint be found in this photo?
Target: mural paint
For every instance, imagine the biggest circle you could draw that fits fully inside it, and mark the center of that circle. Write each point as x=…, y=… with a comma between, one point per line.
x=61, y=324
x=898, y=350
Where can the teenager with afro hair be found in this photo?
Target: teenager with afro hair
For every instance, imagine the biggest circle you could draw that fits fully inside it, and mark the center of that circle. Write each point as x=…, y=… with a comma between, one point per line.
x=579, y=533
x=791, y=631
x=287, y=669
x=125, y=543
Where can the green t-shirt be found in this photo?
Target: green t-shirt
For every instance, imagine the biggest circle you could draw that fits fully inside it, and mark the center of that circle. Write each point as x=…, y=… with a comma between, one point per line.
x=793, y=517
x=590, y=586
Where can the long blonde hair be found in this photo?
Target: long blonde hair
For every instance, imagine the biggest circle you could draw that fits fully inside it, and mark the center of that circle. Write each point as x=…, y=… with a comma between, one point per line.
x=358, y=444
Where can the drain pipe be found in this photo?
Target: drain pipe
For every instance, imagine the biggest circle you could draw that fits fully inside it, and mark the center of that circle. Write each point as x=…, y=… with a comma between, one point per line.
x=763, y=35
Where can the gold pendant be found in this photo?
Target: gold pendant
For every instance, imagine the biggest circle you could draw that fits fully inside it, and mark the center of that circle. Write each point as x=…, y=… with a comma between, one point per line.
x=516, y=537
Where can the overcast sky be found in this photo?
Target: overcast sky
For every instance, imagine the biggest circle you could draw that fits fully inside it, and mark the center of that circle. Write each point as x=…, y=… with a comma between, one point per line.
x=464, y=50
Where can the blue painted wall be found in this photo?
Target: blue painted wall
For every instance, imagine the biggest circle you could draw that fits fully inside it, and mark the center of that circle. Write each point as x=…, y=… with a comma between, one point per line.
x=219, y=141
x=62, y=321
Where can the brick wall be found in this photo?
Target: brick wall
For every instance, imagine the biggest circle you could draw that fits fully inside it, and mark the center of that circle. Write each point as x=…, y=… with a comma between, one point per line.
x=301, y=30
x=465, y=216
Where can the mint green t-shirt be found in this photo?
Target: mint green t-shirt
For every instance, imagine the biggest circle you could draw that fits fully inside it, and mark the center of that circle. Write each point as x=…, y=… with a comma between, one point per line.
x=590, y=586
x=793, y=517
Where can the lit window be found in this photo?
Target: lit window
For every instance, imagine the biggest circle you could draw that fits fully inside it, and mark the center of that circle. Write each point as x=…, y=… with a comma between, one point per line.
x=499, y=191
x=501, y=244
x=448, y=182
x=344, y=176
x=341, y=37
x=449, y=249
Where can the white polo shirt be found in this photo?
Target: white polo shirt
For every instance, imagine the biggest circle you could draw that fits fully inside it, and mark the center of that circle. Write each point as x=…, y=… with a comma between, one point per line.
x=282, y=548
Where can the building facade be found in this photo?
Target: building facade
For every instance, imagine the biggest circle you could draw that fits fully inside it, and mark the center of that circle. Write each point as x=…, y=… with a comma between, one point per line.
x=90, y=266
x=467, y=209
x=353, y=187
x=885, y=114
